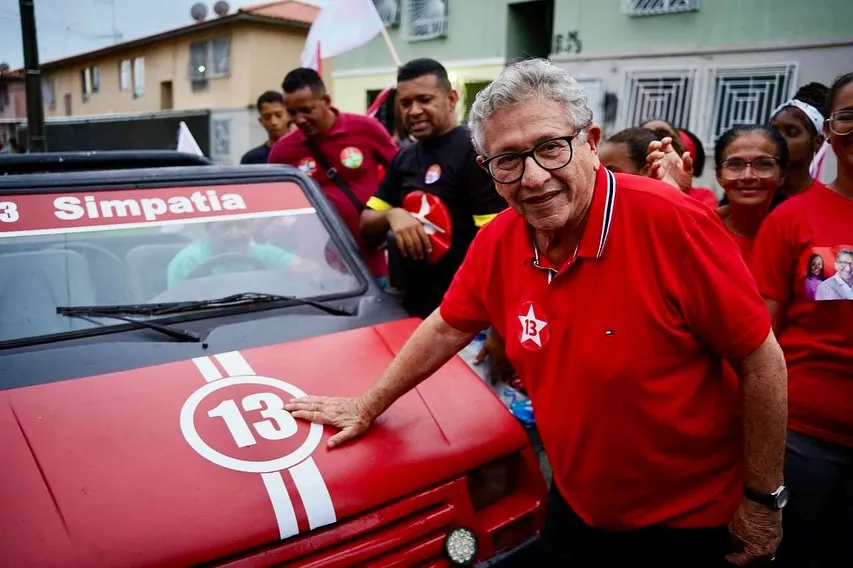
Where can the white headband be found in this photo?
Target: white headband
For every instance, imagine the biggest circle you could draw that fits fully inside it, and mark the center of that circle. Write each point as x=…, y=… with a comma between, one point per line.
x=811, y=112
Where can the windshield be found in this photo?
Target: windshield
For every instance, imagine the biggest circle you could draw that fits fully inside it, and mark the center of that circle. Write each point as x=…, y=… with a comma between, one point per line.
x=104, y=248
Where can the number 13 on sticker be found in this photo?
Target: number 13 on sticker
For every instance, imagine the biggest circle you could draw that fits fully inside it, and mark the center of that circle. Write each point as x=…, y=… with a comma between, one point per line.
x=8, y=212
x=279, y=424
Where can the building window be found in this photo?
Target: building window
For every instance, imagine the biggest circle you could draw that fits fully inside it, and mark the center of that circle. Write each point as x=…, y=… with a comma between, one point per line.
x=222, y=137
x=66, y=100
x=427, y=19
x=385, y=114
x=746, y=95
x=124, y=75
x=90, y=81
x=666, y=95
x=389, y=11
x=138, y=77
x=48, y=92
x=472, y=89
x=209, y=60
x=656, y=7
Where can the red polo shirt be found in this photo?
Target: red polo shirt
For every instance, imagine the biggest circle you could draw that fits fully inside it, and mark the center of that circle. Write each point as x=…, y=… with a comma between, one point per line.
x=355, y=146
x=622, y=348
x=794, y=262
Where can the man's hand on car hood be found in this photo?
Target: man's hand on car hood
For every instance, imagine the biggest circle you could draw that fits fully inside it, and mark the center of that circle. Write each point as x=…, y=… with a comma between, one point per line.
x=349, y=415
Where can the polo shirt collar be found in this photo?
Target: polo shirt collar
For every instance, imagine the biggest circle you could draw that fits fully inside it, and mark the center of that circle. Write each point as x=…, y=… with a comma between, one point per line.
x=339, y=125
x=598, y=223
x=600, y=217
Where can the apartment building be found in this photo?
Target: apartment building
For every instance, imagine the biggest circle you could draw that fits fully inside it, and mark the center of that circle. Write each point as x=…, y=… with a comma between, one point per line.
x=219, y=62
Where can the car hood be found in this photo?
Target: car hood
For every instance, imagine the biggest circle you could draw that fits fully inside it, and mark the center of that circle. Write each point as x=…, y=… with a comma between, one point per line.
x=193, y=461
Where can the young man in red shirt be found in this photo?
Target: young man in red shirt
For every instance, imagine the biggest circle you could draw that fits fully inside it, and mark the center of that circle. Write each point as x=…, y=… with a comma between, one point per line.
x=619, y=300
x=339, y=150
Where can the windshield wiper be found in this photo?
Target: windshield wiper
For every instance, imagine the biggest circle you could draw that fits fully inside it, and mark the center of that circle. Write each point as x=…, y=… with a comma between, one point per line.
x=93, y=311
x=242, y=299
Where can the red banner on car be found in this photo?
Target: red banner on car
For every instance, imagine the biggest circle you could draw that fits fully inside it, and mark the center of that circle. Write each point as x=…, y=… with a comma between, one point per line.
x=49, y=213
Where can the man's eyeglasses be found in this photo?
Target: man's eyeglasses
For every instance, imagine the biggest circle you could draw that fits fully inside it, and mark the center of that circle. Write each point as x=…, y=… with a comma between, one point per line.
x=550, y=155
x=763, y=167
x=841, y=122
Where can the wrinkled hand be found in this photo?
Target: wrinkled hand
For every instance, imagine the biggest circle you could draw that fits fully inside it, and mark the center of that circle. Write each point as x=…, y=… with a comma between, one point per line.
x=349, y=415
x=494, y=349
x=757, y=532
x=412, y=240
x=666, y=165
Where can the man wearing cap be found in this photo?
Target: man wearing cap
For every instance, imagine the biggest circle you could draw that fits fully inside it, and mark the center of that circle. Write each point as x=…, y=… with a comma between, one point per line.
x=620, y=304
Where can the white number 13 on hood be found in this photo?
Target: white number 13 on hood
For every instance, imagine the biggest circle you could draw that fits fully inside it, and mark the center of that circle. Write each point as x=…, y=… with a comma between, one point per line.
x=279, y=424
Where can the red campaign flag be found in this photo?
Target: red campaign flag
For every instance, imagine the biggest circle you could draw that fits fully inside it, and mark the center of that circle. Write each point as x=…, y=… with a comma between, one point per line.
x=380, y=100
x=70, y=212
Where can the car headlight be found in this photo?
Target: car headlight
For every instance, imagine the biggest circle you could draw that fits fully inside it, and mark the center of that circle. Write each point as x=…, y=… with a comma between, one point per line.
x=493, y=481
x=461, y=546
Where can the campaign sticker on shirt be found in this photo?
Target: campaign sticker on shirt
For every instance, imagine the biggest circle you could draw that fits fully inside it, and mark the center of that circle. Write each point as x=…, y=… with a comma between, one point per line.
x=351, y=157
x=431, y=211
x=308, y=166
x=829, y=273
x=432, y=174
x=533, y=332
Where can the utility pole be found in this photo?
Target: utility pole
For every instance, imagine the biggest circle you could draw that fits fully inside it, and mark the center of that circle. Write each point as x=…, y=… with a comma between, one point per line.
x=32, y=78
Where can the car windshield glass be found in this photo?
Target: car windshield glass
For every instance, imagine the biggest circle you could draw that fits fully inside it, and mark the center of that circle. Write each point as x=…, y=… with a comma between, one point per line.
x=139, y=246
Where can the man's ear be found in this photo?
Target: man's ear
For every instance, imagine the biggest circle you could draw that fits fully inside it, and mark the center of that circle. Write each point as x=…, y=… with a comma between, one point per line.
x=452, y=99
x=327, y=99
x=481, y=162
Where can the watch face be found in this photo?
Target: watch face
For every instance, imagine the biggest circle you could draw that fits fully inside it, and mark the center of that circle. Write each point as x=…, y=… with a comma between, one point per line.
x=782, y=497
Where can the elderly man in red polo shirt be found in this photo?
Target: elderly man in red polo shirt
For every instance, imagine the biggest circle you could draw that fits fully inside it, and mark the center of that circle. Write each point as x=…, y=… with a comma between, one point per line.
x=621, y=302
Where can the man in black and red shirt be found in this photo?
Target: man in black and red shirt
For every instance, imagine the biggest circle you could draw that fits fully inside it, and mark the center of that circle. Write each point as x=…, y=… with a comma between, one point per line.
x=434, y=196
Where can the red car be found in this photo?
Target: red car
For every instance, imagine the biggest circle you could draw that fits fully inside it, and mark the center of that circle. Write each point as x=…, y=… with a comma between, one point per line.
x=154, y=321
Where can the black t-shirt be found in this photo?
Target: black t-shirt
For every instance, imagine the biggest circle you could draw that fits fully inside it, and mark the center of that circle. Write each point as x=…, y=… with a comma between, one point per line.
x=439, y=178
x=257, y=155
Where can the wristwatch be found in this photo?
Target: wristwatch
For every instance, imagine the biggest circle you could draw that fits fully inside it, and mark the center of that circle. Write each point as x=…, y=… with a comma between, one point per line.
x=776, y=500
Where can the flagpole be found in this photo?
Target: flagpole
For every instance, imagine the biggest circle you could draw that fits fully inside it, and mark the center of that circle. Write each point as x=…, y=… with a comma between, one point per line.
x=391, y=47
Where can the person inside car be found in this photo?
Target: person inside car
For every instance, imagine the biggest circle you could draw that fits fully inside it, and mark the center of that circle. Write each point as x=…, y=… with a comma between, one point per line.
x=228, y=247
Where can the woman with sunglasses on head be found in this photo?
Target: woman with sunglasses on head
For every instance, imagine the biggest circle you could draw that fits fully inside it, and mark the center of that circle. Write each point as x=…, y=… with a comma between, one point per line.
x=816, y=334
x=751, y=161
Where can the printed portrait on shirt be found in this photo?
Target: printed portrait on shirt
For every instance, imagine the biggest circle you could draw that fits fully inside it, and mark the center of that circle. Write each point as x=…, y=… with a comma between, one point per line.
x=829, y=273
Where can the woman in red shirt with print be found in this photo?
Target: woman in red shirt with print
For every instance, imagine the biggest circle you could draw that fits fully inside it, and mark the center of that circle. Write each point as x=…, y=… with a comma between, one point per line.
x=816, y=334
x=751, y=161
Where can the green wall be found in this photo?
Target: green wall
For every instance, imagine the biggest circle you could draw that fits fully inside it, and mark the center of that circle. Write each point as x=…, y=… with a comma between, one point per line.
x=603, y=28
x=477, y=30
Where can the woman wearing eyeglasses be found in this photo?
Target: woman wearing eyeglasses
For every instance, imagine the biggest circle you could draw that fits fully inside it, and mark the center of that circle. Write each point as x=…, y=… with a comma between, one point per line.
x=816, y=334
x=751, y=161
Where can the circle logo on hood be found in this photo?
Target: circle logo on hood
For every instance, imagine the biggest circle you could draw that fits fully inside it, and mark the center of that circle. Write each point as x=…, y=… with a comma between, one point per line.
x=431, y=211
x=251, y=409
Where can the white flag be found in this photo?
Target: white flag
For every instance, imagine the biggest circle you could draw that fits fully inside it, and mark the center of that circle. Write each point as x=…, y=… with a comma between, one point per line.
x=186, y=142
x=341, y=26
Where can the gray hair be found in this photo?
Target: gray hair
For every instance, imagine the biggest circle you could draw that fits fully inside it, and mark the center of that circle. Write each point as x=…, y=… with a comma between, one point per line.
x=843, y=251
x=525, y=79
